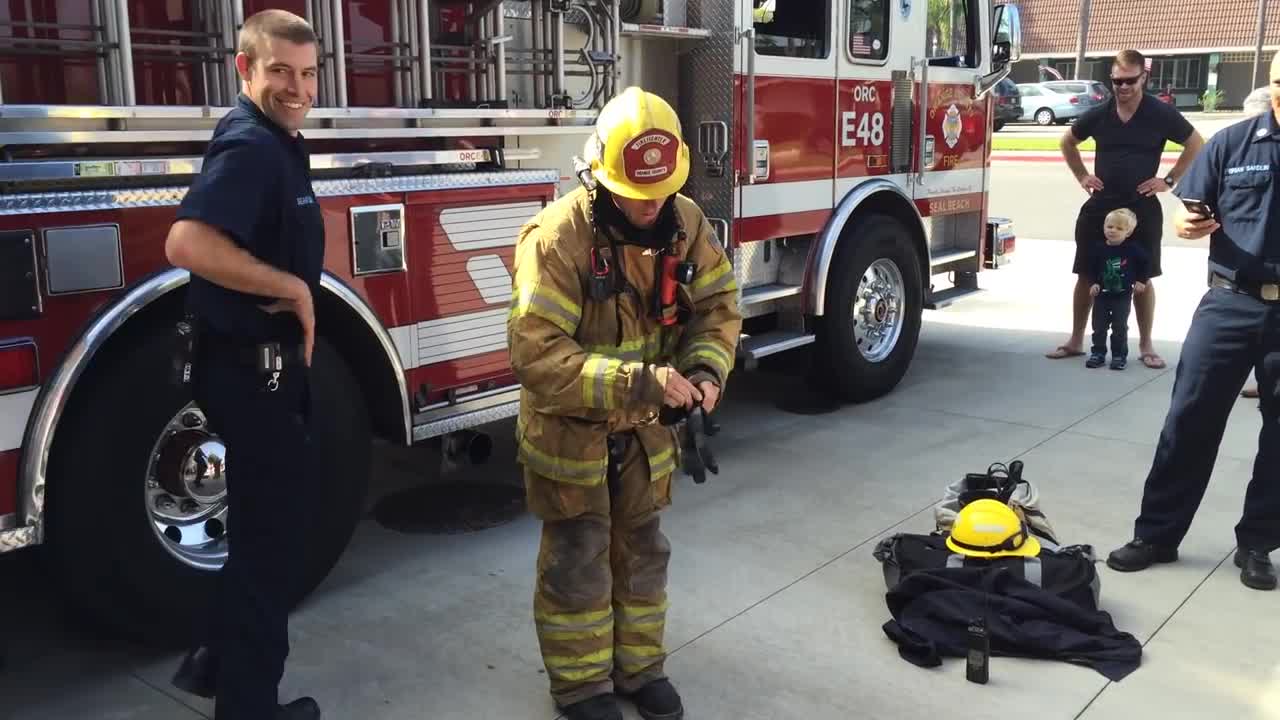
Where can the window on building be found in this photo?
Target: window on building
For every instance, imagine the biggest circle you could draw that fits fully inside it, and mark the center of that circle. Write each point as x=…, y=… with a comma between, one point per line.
x=1067, y=69
x=868, y=29
x=1179, y=73
x=951, y=38
x=792, y=28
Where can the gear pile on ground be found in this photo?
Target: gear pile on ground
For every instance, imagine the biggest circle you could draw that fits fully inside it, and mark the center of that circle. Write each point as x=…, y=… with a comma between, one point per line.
x=995, y=560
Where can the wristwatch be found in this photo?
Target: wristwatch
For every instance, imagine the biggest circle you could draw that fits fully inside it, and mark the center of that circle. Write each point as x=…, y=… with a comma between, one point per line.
x=1168, y=180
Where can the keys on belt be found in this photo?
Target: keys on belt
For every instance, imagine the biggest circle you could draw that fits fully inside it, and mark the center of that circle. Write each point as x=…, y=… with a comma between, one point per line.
x=1267, y=292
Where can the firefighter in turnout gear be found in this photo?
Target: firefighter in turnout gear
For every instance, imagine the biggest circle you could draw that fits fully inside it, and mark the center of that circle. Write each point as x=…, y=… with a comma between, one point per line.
x=623, y=302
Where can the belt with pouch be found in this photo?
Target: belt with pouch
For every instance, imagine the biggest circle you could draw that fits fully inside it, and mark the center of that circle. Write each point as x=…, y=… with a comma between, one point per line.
x=1266, y=292
x=263, y=355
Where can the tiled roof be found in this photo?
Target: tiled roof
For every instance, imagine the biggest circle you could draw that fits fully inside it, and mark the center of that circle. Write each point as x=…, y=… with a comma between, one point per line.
x=1052, y=26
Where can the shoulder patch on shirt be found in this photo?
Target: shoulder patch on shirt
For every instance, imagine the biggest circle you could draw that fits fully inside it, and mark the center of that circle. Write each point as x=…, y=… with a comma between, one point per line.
x=1262, y=132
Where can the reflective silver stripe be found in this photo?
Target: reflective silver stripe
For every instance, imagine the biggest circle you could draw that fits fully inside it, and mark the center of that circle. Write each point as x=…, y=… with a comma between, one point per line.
x=1033, y=571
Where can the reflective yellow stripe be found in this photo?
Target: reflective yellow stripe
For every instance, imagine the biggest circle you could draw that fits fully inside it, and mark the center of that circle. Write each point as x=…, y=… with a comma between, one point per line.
x=581, y=667
x=598, y=377
x=709, y=353
x=637, y=613
x=720, y=278
x=647, y=348
x=574, y=626
x=634, y=658
x=568, y=661
x=547, y=634
x=548, y=304
x=663, y=463
x=581, y=472
x=587, y=673
x=591, y=617
x=651, y=626
x=640, y=651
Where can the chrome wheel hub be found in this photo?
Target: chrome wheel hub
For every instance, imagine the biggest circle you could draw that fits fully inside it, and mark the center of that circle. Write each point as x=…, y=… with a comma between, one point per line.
x=878, y=310
x=186, y=490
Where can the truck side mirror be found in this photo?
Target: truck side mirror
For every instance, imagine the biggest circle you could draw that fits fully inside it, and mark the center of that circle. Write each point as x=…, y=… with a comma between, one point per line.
x=1006, y=47
x=1006, y=37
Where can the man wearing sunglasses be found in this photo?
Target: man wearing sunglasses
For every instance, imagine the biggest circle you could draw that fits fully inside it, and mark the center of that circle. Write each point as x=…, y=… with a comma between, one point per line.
x=1130, y=130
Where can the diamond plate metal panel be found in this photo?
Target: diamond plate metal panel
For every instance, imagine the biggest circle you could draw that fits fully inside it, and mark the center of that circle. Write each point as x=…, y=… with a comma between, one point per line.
x=706, y=95
x=467, y=414
x=167, y=196
x=751, y=269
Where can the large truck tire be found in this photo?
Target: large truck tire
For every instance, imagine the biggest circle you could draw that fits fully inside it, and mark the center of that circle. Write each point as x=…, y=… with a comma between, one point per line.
x=142, y=559
x=868, y=331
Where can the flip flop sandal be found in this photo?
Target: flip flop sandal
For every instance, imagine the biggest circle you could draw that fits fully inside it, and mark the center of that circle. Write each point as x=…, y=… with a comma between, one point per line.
x=1151, y=360
x=1062, y=351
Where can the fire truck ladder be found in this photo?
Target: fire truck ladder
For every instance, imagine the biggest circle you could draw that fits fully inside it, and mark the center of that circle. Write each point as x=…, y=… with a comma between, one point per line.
x=39, y=140
x=457, y=79
x=483, y=54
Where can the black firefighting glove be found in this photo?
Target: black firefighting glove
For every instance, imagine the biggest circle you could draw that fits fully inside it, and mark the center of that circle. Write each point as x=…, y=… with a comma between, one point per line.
x=697, y=426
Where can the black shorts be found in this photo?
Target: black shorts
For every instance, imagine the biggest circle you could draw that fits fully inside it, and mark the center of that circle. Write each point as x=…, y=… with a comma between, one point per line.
x=1149, y=232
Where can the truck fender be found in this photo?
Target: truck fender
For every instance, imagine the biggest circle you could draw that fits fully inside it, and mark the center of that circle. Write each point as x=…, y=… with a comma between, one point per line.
x=49, y=405
x=876, y=195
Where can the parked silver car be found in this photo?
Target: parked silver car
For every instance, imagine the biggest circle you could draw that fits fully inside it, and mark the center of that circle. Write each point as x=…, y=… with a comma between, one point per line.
x=1057, y=101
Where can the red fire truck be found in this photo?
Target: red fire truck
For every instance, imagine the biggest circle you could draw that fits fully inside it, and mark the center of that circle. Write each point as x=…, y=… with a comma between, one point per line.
x=841, y=150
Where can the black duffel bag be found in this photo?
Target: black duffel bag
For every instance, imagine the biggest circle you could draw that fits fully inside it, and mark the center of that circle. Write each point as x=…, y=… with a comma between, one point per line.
x=1067, y=572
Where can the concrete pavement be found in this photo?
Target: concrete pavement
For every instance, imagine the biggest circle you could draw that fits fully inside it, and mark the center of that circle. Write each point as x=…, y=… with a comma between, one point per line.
x=776, y=602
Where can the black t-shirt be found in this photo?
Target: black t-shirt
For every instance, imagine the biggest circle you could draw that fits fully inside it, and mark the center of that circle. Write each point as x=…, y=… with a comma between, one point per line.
x=1128, y=154
x=255, y=186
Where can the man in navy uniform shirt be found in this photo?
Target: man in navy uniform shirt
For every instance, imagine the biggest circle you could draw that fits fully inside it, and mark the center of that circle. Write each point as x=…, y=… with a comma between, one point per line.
x=1236, y=329
x=250, y=232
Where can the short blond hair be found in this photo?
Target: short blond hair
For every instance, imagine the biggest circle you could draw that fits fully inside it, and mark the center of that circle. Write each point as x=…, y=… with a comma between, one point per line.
x=1130, y=219
x=274, y=23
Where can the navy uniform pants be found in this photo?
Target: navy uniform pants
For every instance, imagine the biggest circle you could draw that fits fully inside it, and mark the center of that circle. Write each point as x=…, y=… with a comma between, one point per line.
x=1231, y=334
x=268, y=455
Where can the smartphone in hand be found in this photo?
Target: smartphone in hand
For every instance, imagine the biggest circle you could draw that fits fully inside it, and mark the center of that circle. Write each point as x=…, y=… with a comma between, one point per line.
x=1198, y=207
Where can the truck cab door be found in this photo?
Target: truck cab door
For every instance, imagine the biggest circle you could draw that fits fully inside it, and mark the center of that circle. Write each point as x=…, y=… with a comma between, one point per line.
x=788, y=128
x=951, y=129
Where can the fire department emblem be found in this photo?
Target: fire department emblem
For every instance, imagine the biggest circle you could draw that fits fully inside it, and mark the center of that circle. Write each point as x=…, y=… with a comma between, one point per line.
x=951, y=126
x=650, y=158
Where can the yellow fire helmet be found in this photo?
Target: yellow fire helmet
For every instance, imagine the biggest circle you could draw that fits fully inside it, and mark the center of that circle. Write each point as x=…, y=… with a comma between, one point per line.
x=990, y=529
x=636, y=150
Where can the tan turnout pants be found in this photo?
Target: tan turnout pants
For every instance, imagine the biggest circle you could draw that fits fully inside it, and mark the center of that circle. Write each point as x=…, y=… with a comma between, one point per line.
x=600, y=602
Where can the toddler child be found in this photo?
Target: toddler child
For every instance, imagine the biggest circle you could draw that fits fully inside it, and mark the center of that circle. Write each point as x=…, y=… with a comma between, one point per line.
x=1118, y=269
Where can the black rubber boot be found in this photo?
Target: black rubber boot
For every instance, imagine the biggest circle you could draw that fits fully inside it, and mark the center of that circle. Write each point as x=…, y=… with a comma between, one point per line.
x=198, y=673
x=597, y=707
x=658, y=701
x=1138, y=554
x=1255, y=569
x=303, y=708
